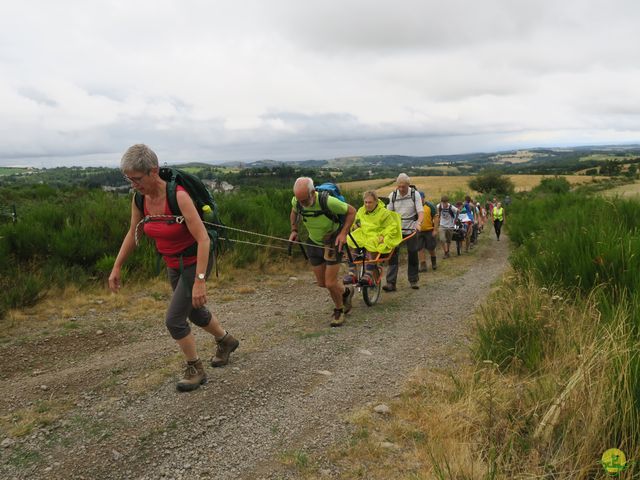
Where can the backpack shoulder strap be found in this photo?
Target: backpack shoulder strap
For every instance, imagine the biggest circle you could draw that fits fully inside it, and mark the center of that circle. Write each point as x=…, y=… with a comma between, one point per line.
x=138, y=198
x=432, y=208
x=172, y=199
x=413, y=200
x=322, y=198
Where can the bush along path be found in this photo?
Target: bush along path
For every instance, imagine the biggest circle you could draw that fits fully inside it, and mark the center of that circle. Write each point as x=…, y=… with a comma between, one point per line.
x=99, y=400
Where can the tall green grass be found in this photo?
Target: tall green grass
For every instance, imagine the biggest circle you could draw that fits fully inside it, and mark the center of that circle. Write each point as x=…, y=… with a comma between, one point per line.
x=578, y=242
x=73, y=235
x=570, y=312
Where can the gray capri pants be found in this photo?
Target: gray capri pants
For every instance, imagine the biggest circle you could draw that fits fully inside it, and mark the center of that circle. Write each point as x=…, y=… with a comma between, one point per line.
x=180, y=306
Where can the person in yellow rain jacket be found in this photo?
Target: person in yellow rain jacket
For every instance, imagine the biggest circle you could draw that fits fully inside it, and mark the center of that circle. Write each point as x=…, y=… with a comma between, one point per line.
x=375, y=229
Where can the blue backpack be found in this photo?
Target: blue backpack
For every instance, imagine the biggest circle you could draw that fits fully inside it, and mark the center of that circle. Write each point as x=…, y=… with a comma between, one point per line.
x=324, y=191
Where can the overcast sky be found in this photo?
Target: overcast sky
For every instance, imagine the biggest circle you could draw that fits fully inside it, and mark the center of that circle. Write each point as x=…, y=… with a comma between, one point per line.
x=80, y=81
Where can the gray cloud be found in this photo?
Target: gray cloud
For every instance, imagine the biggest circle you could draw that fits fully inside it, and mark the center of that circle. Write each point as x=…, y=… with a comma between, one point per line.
x=286, y=79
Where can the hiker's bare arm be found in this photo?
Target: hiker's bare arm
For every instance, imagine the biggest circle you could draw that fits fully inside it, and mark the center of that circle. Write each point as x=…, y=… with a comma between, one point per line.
x=128, y=245
x=199, y=233
x=341, y=239
x=420, y=212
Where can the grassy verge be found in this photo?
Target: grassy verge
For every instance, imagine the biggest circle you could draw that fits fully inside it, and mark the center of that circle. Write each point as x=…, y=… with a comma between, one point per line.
x=551, y=381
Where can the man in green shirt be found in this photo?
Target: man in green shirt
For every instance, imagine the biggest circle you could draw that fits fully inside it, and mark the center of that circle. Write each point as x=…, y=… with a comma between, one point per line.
x=327, y=236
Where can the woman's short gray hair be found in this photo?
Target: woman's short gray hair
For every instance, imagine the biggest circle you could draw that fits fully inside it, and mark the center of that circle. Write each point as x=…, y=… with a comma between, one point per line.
x=370, y=193
x=139, y=158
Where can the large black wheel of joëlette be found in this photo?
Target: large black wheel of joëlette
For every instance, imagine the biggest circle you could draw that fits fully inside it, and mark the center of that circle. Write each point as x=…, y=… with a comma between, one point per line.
x=371, y=295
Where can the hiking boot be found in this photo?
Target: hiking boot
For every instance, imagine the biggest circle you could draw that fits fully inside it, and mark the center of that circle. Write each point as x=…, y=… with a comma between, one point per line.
x=349, y=279
x=415, y=285
x=433, y=263
x=390, y=287
x=423, y=267
x=226, y=346
x=346, y=299
x=194, y=376
x=337, y=319
x=446, y=255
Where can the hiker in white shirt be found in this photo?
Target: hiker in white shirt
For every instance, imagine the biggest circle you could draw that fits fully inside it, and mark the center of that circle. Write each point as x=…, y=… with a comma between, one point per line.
x=406, y=201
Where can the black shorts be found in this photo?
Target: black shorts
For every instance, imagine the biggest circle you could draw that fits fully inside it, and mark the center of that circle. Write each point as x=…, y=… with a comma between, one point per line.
x=326, y=253
x=426, y=240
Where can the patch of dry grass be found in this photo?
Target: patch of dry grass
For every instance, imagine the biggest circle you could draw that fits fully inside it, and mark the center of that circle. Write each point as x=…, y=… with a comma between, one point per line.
x=629, y=190
x=436, y=186
x=528, y=182
x=23, y=421
x=364, y=185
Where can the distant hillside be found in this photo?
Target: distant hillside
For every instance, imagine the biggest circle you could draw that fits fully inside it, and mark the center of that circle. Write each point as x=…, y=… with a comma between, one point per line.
x=610, y=160
x=513, y=161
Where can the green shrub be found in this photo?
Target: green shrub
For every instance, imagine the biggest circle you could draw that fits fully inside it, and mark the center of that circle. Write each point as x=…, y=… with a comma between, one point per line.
x=553, y=185
x=104, y=265
x=255, y=210
x=491, y=181
x=21, y=289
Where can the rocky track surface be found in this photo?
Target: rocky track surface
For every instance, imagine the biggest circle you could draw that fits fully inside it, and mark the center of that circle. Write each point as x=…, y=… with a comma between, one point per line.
x=104, y=403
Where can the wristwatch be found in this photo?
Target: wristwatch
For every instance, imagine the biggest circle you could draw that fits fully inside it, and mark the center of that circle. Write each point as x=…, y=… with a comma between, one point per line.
x=200, y=276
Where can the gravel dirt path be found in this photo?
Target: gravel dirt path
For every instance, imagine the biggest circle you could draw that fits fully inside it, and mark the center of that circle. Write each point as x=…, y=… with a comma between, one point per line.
x=103, y=404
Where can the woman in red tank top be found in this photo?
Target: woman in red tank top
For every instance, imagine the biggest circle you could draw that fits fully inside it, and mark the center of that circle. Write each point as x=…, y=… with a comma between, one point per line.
x=187, y=274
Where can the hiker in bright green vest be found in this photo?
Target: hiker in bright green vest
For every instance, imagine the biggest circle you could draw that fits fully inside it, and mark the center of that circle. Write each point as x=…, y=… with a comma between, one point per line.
x=327, y=236
x=498, y=219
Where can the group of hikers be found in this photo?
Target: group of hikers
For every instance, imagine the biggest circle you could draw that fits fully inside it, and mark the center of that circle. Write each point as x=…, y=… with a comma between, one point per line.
x=376, y=228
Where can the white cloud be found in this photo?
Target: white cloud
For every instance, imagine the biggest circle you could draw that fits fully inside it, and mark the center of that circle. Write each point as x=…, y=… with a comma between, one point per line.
x=80, y=81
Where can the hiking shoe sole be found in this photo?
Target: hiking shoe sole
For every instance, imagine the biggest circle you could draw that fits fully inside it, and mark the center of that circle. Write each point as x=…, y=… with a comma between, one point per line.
x=189, y=387
x=337, y=318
